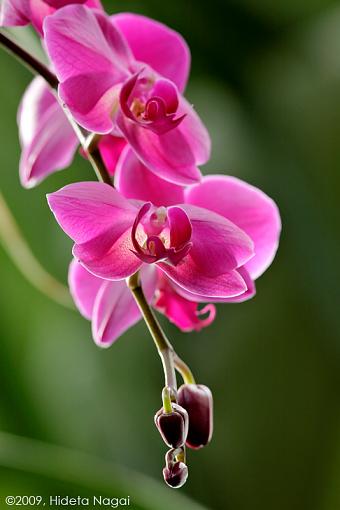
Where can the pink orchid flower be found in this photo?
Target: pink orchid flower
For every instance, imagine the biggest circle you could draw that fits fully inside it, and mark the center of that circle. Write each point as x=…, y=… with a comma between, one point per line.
x=232, y=198
x=124, y=75
x=22, y=12
x=169, y=56
x=199, y=250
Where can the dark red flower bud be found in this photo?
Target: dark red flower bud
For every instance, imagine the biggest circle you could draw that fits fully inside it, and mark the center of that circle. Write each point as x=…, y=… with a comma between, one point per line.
x=197, y=400
x=175, y=475
x=173, y=426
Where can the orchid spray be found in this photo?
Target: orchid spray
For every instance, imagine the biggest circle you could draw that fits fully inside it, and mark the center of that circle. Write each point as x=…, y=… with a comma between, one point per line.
x=152, y=234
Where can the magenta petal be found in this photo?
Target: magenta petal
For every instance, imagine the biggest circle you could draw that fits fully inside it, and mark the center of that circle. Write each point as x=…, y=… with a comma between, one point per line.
x=92, y=110
x=90, y=58
x=87, y=210
x=247, y=207
x=61, y=3
x=47, y=139
x=115, y=309
x=218, y=245
x=247, y=294
x=84, y=288
x=169, y=155
x=134, y=180
x=110, y=255
x=180, y=311
x=156, y=45
x=173, y=155
x=80, y=41
x=180, y=227
x=111, y=148
x=188, y=276
x=166, y=90
x=14, y=13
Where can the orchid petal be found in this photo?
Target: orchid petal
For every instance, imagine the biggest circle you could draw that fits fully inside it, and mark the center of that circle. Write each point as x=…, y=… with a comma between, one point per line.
x=218, y=245
x=156, y=45
x=180, y=311
x=247, y=207
x=134, y=180
x=84, y=288
x=14, y=13
x=115, y=309
x=247, y=294
x=90, y=58
x=189, y=276
x=111, y=148
x=169, y=155
x=47, y=139
x=87, y=210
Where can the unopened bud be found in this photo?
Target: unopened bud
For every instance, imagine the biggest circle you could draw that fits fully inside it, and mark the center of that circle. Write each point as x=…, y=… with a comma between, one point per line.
x=175, y=475
x=197, y=400
x=173, y=426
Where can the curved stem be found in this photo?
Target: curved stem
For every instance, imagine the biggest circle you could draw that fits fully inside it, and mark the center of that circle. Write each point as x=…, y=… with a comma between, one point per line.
x=163, y=345
x=184, y=370
x=16, y=247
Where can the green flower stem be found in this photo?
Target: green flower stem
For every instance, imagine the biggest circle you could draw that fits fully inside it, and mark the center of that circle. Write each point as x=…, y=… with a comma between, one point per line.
x=184, y=370
x=163, y=345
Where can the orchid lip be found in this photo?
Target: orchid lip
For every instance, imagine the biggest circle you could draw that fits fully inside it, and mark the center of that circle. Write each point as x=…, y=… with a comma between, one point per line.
x=157, y=231
x=153, y=111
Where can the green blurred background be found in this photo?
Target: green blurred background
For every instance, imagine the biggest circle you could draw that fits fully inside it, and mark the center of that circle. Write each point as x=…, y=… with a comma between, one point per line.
x=266, y=80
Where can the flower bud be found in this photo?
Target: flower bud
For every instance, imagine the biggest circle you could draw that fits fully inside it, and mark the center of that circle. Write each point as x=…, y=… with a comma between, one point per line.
x=175, y=475
x=173, y=426
x=197, y=400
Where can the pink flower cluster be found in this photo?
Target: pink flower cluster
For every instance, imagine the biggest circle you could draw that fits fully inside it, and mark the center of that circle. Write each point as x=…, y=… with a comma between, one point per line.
x=194, y=239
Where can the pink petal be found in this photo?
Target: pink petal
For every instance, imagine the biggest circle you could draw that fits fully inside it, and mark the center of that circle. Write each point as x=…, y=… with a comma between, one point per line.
x=87, y=210
x=189, y=276
x=180, y=227
x=157, y=45
x=84, y=288
x=14, y=13
x=90, y=57
x=218, y=245
x=115, y=309
x=61, y=3
x=80, y=40
x=111, y=148
x=39, y=11
x=92, y=110
x=247, y=207
x=180, y=311
x=174, y=155
x=110, y=255
x=47, y=139
x=134, y=180
x=247, y=294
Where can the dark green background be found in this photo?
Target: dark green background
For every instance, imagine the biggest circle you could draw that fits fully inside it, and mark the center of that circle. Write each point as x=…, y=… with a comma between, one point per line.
x=266, y=80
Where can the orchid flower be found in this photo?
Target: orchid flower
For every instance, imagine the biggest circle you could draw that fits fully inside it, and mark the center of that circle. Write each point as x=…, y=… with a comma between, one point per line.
x=121, y=75
x=22, y=12
x=153, y=42
x=174, y=293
